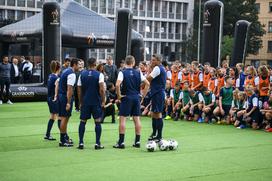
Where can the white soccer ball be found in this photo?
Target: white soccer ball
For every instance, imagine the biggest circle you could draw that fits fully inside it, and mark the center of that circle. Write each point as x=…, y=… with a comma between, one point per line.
x=173, y=144
x=151, y=146
x=163, y=144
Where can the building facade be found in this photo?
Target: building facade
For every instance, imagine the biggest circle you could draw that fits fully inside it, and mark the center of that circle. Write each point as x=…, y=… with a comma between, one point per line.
x=264, y=55
x=164, y=24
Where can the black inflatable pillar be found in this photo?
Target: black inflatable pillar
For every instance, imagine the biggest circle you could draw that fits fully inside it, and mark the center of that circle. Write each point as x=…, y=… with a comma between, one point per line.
x=51, y=35
x=123, y=31
x=240, y=42
x=137, y=50
x=212, y=32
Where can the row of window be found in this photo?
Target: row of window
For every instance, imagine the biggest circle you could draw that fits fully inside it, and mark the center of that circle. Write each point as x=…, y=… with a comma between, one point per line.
x=10, y=14
x=258, y=7
x=160, y=30
x=142, y=8
x=22, y=3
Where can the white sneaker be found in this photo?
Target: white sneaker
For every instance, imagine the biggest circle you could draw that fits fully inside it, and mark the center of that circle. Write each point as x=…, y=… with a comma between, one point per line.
x=9, y=102
x=1, y=102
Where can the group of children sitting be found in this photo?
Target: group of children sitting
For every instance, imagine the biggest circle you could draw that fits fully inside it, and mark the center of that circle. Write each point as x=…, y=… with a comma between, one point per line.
x=238, y=95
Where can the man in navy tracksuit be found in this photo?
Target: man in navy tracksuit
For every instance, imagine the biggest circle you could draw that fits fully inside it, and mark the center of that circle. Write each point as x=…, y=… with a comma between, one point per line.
x=128, y=89
x=157, y=79
x=65, y=96
x=91, y=94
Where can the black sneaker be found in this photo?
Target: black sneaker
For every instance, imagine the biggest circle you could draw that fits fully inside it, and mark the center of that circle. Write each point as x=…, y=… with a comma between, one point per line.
x=98, y=147
x=49, y=138
x=136, y=145
x=65, y=144
x=80, y=146
x=151, y=137
x=157, y=139
x=119, y=146
x=69, y=140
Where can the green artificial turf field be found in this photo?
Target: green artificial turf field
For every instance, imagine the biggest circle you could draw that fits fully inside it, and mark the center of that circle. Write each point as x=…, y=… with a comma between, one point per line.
x=206, y=152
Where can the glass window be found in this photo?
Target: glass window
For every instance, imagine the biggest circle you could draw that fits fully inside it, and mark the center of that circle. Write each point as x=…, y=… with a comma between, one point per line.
x=269, y=47
x=119, y=3
x=178, y=11
x=31, y=3
x=2, y=14
x=2, y=2
x=185, y=9
x=11, y=14
x=142, y=27
x=149, y=29
x=135, y=4
x=86, y=3
x=171, y=7
x=39, y=3
x=270, y=27
x=11, y=2
x=134, y=26
x=20, y=15
x=135, y=7
x=94, y=5
x=257, y=6
x=270, y=7
x=30, y=13
x=102, y=6
x=127, y=4
x=111, y=6
x=142, y=7
x=150, y=8
x=164, y=9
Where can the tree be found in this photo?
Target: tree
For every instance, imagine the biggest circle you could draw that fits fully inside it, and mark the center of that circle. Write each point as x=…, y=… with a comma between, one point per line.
x=235, y=10
x=227, y=46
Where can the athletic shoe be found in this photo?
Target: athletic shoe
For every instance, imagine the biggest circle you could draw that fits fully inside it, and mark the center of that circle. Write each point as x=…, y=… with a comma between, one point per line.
x=269, y=130
x=157, y=139
x=119, y=146
x=9, y=102
x=1, y=102
x=98, y=147
x=80, y=146
x=151, y=137
x=168, y=117
x=136, y=145
x=219, y=122
x=241, y=126
x=69, y=140
x=65, y=144
x=49, y=138
x=200, y=120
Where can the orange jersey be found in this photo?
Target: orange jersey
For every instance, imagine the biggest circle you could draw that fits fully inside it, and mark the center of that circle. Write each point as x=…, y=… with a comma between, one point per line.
x=250, y=80
x=211, y=84
x=221, y=83
x=264, y=83
x=174, y=79
x=206, y=78
x=185, y=78
x=195, y=79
